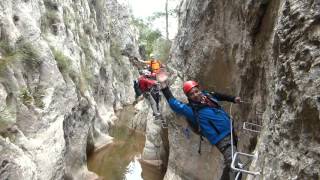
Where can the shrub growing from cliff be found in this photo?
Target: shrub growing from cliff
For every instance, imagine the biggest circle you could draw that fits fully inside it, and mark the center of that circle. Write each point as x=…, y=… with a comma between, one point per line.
x=63, y=62
x=37, y=97
x=6, y=118
x=23, y=51
x=26, y=97
x=8, y=54
x=85, y=68
x=28, y=54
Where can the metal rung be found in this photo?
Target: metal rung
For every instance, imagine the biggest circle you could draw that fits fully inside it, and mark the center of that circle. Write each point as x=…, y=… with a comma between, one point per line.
x=206, y=149
x=164, y=125
x=250, y=127
x=246, y=102
x=178, y=138
x=237, y=176
x=259, y=113
x=253, y=156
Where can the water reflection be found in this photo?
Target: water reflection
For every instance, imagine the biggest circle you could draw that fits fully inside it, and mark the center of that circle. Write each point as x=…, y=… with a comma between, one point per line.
x=120, y=160
x=134, y=170
x=111, y=162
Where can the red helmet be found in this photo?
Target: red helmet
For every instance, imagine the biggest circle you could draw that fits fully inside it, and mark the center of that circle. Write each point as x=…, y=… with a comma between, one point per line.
x=188, y=85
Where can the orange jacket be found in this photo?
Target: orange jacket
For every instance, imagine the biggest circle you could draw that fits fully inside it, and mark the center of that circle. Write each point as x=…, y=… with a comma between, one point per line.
x=154, y=65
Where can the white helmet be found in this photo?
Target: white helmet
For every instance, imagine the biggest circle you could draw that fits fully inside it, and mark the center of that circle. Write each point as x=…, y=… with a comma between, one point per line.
x=152, y=56
x=145, y=72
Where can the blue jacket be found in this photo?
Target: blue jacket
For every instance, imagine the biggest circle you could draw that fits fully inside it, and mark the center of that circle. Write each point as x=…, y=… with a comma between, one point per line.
x=214, y=122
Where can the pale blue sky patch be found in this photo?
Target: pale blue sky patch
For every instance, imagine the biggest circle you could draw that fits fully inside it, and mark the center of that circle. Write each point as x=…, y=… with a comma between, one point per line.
x=146, y=8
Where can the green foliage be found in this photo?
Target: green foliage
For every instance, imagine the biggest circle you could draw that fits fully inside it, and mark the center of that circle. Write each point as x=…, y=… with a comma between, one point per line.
x=151, y=36
x=84, y=44
x=26, y=97
x=162, y=49
x=5, y=48
x=86, y=74
x=24, y=52
x=147, y=36
x=152, y=40
x=82, y=80
x=7, y=117
x=37, y=96
x=83, y=85
x=7, y=54
x=67, y=17
x=63, y=62
x=28, y=54
x=29, y=98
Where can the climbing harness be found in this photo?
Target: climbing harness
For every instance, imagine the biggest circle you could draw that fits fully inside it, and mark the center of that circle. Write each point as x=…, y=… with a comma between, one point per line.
x=240, y=167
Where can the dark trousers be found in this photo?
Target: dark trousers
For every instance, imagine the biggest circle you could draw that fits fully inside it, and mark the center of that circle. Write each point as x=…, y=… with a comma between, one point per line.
x=154, y=105
x=153, y=96
x=156, y=97
x=224, y=147
x=155, y=93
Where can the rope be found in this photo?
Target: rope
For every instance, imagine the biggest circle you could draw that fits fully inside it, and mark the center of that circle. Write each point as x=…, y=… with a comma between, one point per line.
x=231, y=133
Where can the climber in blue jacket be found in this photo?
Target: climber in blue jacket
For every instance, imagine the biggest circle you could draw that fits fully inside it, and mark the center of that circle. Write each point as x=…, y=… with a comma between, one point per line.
x=204, y=113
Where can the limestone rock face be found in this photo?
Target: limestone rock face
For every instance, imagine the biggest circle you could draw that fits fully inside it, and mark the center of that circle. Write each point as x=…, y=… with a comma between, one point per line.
x=267, y=52
x=63, y=74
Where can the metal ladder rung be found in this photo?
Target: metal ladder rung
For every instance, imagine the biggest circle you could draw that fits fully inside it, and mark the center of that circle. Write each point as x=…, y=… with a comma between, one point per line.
x=206, y=149
x=251, y=127
x=253, y=156
x=164, y=124
x=237, y=176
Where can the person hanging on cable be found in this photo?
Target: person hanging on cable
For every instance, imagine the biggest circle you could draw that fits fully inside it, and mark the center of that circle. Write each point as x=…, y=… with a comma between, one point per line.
x=149, y=87
x=205, y=116
x=154, y=65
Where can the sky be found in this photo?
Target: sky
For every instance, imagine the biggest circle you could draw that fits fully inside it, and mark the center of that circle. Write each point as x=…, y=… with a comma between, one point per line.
x=145, y=8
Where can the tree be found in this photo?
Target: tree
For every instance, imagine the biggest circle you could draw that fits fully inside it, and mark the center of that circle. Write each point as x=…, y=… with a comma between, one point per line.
x=147, y=36
x=166, y=13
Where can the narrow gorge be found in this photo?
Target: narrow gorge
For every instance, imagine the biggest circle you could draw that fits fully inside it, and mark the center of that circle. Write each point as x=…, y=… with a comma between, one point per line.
x=66, y=78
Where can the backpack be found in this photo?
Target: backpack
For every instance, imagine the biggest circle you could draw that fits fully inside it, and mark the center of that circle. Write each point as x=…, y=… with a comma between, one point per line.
x=137, y=89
